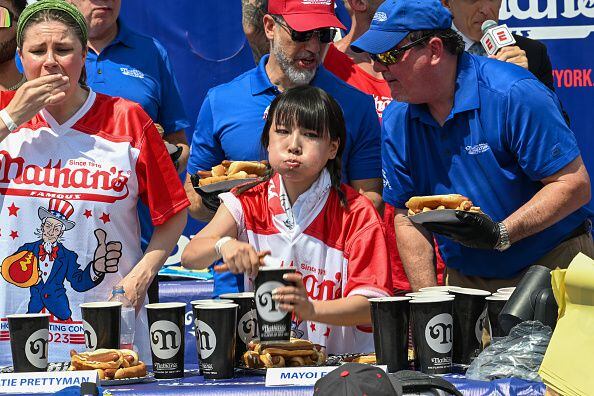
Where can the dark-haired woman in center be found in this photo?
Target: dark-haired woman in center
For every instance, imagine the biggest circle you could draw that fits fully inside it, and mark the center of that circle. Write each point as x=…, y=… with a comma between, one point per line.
x=305, y=217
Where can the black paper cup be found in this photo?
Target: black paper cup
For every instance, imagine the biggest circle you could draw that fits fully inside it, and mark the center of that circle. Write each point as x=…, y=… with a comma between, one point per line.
x=433, y=333
x=273, y=324
x=247, y=321
x=494, y=306
x=469, y=314
x=28, y=341
x=390, y=316
x=520, y=306
x=506, y=290
x=101, y=323
x=166, y=323
x=216, y=338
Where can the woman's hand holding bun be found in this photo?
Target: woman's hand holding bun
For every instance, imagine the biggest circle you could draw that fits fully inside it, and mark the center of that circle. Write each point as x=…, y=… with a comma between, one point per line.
x=34, y=95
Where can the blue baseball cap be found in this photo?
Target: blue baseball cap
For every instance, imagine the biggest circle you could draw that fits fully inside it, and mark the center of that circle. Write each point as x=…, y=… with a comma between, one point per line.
x=395, y=19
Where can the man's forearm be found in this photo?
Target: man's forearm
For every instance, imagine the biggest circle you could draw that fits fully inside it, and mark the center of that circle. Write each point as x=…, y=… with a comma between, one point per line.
x=555, y=201
x=416, y=251
x=372, y=189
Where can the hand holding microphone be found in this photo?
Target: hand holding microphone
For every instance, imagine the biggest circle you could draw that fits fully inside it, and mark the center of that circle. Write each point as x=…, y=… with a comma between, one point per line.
x=498, y=43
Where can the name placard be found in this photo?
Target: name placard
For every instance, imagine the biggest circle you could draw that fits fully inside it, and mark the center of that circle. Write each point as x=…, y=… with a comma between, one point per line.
x=298, y=376
x=44, y=382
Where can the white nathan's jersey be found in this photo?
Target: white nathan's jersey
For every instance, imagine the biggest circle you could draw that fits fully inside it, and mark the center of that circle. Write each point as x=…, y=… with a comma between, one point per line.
x=81, y=179
x=338, y=252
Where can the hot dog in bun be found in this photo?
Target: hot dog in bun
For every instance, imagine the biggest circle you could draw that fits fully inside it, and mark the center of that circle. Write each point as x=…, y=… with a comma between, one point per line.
x=109, y=363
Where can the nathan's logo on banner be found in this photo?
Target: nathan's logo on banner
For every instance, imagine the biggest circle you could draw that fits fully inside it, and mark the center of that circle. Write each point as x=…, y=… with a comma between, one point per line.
x=438, y=333
x=165, y=339
x=266, y=305
x=247, y=328
x=550, y=15
x=90, y=336
x=82, y=180
x=36, y=348
x=206, y=338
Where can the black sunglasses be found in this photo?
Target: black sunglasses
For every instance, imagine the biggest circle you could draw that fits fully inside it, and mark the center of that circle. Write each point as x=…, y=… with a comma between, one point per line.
x=325, y=35
x=394, y=55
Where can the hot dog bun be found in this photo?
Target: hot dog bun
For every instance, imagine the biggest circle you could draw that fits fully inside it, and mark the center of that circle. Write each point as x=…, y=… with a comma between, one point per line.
x=109, y=363
x=252, y=167
x=420, y=204
x=99, y=359
x=293, y=353
x=231, y=170
x=218, y=170
x=138, y=370
x=216, y=179
x=449, y=201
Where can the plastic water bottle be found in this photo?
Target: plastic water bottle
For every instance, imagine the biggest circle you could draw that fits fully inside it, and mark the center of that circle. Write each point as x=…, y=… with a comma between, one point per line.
x=128, y=322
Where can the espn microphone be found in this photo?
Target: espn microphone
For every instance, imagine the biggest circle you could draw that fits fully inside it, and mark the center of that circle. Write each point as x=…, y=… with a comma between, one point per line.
x=495, y=37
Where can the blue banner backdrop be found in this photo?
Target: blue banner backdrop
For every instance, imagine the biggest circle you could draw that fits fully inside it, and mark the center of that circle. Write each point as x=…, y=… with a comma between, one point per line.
x=207, y=47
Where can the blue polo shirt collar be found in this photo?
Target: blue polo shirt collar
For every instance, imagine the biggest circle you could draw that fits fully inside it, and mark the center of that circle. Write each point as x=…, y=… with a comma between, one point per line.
x=466, y=96
x=259, y=80
x=124, y=35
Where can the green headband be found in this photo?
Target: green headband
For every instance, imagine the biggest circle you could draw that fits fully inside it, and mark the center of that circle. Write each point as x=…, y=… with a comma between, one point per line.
x=44, y=5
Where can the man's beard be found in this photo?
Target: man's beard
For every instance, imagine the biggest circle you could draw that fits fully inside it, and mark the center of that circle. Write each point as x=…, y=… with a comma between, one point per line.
x=8, y=50
x=295, y=75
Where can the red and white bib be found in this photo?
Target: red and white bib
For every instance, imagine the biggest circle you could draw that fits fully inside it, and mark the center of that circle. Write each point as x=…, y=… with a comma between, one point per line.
x=338, y=252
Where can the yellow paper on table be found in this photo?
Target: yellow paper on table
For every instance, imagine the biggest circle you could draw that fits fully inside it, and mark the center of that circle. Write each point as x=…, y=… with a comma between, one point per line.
x=568, y=365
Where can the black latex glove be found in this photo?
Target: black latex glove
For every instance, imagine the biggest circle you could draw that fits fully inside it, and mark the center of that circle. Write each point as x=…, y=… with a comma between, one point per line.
x=475, y=230
x=210, y=200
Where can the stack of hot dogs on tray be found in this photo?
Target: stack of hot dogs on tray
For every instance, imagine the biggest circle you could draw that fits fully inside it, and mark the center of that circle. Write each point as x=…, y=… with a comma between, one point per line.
x=231, y=170
x=109, y=363
x=293, y=353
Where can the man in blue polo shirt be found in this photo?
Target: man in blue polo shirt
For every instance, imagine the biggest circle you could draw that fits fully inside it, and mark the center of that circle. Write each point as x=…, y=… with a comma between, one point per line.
x=123, y=63
x=481, y=128
x=232, y=116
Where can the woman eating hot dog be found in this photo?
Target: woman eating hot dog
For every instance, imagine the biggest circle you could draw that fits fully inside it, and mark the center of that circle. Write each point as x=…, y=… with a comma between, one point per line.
x=74, y=164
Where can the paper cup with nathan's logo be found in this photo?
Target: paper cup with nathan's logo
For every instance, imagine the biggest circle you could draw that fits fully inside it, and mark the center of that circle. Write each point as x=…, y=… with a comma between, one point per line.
x=216, y=337
x=273, y=324
x=166, y=323
x=28, y=341
x=433, y=333
x=495, y=304
x=390, y=316
x=101, y=324
x=202, y=302
x=247, y=321
x=470, y=311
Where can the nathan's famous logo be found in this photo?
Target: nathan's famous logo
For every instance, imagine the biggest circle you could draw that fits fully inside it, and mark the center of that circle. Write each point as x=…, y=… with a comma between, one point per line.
x=266, y=305
x=90, y=336
x=550, y=10
x=247, y=328
x=438, y=333
x=15, y=171
x=36, y=348
x=165, y=339
x=207, y=339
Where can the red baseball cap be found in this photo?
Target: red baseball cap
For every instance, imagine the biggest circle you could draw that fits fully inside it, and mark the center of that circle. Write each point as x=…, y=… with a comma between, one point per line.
x=303, y=15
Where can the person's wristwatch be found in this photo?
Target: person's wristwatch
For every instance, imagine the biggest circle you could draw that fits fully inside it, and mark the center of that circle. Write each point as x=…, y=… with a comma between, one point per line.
x=503, y=243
